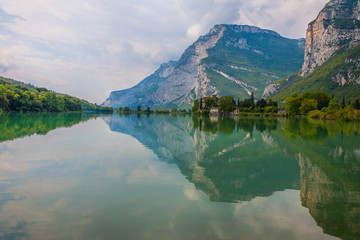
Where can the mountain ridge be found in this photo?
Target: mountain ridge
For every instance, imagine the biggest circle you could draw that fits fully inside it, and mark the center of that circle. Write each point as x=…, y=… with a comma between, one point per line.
x=224, y=62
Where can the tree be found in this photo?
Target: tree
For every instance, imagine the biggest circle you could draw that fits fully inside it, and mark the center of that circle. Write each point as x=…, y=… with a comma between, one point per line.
x=357, y=104
x=261, y=103
x=201, y=103
x=334, y=104
x=321, y=98
x=252, y=99
x=195, y=107
x=293, y=104
x=227, y=104
x=209, y=102
x=138, y=108
x=308, y=105
x=343, y=104
x=4, y=102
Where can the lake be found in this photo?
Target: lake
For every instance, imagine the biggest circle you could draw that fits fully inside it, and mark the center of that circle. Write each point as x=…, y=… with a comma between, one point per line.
x=82, y=176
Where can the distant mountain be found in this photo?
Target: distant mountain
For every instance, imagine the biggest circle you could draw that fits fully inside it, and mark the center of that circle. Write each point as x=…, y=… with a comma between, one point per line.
x=332, y=55
x=229, y=60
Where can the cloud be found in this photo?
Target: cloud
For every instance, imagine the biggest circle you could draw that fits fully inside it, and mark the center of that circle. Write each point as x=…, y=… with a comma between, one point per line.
x=288, y=17
x=88, y=49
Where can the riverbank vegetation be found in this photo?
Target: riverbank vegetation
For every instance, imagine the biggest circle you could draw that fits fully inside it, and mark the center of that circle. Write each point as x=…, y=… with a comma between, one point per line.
x=311, y=104
x=319, y=105
x=227, y=105
x=17, y=96
x=139, y=110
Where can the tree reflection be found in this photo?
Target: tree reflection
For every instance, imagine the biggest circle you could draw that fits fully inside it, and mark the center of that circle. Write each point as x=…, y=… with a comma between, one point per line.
x=239, y=159
x=17, y=125
x=227, y=125
x=317, y=130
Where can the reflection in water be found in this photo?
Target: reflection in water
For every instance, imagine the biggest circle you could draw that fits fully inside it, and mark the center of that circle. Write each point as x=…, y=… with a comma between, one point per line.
x=329, y=159
x=230, y=160
x=234, y=159
x=332, y=194
x=316, y=131
x=265, y=178
x=17, y=125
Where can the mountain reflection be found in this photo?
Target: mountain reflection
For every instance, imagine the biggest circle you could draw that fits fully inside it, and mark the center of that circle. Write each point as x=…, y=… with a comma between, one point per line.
x=329, y=158
x=229, y=159
x=233, y=160
x=330, y=173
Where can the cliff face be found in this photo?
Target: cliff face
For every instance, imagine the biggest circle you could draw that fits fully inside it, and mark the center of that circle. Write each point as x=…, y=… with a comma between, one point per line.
x=229, y=60
x=332, y=55
x=184, y=77
x=336, y=27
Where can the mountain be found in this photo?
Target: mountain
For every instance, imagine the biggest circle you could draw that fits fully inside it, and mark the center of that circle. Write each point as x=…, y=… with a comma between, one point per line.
x=229, y=60
x=332, y=51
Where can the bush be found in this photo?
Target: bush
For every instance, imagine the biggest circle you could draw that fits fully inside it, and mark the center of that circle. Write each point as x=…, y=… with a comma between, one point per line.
x=315, y=114
x=271, y=109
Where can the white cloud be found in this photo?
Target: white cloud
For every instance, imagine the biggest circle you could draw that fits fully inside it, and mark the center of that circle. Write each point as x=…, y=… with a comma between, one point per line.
x=89, y=48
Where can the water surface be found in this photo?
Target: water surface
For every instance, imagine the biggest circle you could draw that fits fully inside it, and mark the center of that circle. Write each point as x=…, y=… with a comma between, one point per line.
x=76, y=176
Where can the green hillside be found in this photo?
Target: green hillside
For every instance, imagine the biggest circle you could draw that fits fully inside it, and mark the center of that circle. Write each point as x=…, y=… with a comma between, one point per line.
x=342, y=63
x=21, y=97
x=255, y=59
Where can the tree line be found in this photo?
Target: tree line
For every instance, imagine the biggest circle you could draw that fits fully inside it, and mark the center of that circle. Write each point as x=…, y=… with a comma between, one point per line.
x=147, y=110
x=20, y=97
x=322, y=106
x=227, y=104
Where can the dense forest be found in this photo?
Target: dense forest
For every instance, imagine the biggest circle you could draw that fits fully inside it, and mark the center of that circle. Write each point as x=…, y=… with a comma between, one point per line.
x=20, y=97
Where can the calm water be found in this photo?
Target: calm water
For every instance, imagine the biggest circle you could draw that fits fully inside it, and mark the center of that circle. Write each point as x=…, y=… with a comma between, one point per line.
x=77, y=176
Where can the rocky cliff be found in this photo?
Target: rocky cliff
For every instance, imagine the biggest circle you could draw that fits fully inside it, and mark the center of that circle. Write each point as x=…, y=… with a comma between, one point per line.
x=229, y=60
x=331, y=62
x=336, y=27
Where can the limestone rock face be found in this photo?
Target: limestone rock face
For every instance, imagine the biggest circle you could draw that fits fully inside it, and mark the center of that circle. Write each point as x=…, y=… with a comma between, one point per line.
x=270, y=90
x=336, y=27
x=184, y=77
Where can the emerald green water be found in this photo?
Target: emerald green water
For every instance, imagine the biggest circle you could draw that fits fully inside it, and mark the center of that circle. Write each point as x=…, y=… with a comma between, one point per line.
x=78, y=176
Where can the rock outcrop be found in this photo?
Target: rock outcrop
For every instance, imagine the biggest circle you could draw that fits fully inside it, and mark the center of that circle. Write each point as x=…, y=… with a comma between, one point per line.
x=336, y=27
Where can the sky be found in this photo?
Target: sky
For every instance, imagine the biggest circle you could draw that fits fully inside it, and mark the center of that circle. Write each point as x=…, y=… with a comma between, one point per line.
x=88, y=48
